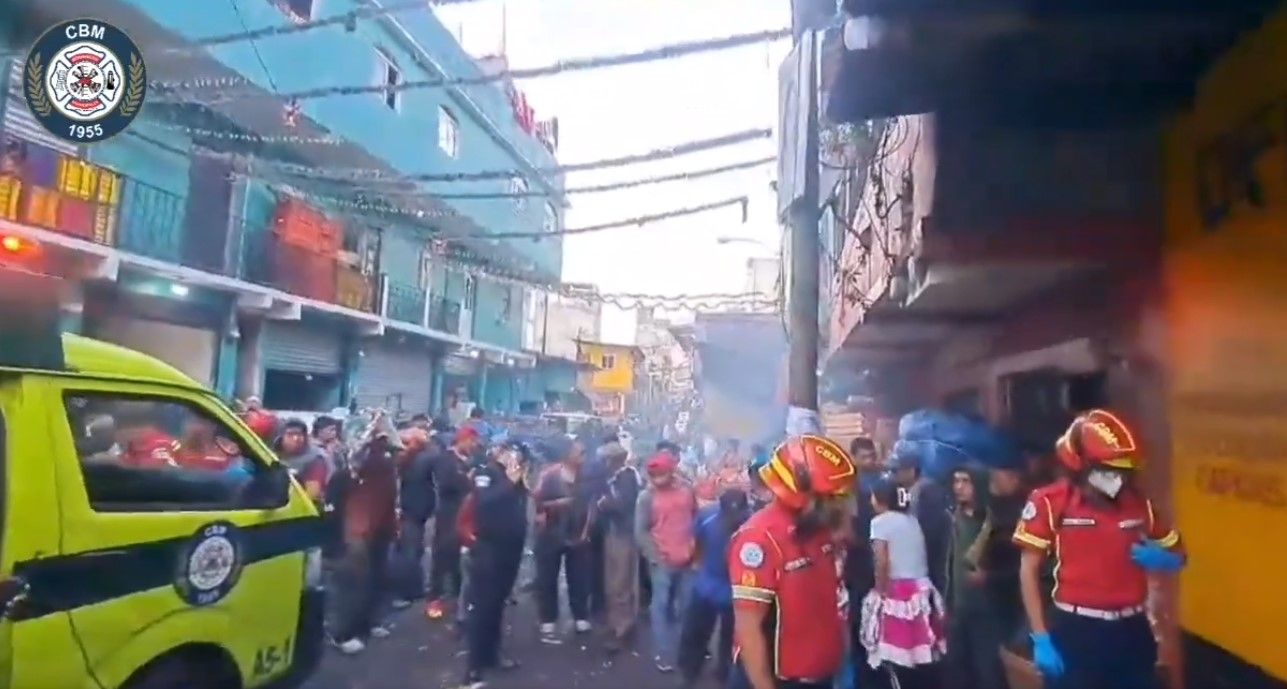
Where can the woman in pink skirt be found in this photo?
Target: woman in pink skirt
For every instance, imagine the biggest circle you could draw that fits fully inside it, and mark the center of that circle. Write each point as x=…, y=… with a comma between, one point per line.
x=902, y=618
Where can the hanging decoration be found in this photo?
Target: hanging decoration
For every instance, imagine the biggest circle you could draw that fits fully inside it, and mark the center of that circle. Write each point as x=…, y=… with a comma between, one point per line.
x=249, y=137
x=290, y=115
x=666, y=52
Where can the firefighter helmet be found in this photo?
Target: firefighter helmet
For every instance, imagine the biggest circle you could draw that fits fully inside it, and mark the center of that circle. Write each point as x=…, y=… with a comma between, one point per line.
x=808, y=465
x=1098, y=438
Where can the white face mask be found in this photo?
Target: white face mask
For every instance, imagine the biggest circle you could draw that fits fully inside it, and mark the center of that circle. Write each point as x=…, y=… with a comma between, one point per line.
x=1107, y=482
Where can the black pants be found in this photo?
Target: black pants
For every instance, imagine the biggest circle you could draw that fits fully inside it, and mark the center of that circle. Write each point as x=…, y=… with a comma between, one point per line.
x=974, y=640
x=737, y=680
x=493, y=568
x=695, y=637
x=444, y=571
x=551, y=555
x=410, y=553
x=890, y=676
x=598, y=583
x=361, y=579
x=1104, y=654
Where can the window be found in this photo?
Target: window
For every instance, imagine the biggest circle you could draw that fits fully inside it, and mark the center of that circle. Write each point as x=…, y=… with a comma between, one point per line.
x=144, y=454
x=448, y=132
x=518, y=187
x=551, y=222
x=608, y=361
x=471, y=292
x=299, y=10
x=389, y=76
x=426, y=270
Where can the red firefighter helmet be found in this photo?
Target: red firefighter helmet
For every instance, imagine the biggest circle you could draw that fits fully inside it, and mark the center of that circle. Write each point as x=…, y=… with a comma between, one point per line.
x=1098, y=438
x=808, y=465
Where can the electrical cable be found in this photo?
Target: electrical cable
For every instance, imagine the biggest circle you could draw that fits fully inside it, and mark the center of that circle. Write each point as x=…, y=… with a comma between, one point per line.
x=637, y=221
x=666, y=52
x=254, y=46
x=615, y=186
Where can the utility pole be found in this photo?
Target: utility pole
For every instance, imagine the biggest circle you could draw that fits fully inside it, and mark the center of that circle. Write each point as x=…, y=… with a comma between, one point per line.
x=802, y=215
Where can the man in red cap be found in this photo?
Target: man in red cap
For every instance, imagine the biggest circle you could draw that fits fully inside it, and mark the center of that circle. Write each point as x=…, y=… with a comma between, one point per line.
x=1107, y=539
x=789, y=622
x=665, y=517
x=451, y=476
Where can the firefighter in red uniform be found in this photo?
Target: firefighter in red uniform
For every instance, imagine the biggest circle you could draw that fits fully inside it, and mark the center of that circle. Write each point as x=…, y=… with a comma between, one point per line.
x=789, y=625
x=1107, y=540
x=201, y=448
x=142, y=444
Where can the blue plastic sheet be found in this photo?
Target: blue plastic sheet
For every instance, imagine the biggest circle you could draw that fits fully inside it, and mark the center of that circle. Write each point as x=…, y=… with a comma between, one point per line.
x=944, y=441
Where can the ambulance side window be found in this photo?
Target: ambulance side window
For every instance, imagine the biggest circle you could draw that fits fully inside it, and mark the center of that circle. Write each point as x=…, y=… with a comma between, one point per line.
x=152, y=454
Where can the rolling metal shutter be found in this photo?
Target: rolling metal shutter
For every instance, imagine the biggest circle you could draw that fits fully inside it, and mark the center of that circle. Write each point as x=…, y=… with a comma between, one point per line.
x=18, y=120
x=293, y=346
x=397, y=377
x=191, y=350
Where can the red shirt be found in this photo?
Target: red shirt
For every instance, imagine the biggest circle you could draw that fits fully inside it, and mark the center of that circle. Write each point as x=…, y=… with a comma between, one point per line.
x=798, y=578
x=150, y=449
x=1092, y=543
x=213, y=458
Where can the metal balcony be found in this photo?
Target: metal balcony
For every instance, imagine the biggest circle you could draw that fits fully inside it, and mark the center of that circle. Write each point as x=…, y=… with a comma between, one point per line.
x=407, y=303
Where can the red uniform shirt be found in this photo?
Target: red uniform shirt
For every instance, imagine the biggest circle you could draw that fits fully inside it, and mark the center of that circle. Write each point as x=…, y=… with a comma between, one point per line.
x=1092, y=543
x=212, y=458
x=150, y=449
x=769, y=566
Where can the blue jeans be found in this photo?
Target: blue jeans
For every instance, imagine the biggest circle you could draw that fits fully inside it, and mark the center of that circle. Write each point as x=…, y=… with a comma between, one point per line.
x=669, y=599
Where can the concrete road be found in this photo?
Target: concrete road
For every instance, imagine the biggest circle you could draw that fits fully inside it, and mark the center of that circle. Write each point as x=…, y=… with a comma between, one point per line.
x=425, y=655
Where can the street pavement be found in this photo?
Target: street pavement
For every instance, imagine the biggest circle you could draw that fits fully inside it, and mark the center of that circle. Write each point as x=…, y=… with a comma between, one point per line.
x=427, y=655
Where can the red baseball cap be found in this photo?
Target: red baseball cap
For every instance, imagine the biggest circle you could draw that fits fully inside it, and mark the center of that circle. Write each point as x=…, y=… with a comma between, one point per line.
x=467, y=433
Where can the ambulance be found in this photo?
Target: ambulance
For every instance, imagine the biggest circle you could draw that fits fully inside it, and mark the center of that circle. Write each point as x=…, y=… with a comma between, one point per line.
x=148, y=539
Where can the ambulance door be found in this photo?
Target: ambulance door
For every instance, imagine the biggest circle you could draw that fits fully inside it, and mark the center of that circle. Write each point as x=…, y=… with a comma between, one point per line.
x=37, y=647
x=182, y=550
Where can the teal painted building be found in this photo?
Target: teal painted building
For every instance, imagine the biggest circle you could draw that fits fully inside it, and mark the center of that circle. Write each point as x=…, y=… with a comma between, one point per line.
x=290, y=246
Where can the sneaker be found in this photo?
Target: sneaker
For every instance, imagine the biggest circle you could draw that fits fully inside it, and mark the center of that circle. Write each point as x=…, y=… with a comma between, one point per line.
x=550, y=635
x=351, y=647
x=663, y=666
x=583, y=626
x=434, y=610
x=505, y=664
x=473, y=680
x=400, y=604
x=381, y=632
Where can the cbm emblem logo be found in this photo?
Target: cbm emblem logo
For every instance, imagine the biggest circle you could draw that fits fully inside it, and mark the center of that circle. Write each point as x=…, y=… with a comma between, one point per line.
x=84, y=80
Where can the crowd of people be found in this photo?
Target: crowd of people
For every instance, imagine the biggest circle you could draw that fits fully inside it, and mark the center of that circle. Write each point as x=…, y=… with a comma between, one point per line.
x=809, y=566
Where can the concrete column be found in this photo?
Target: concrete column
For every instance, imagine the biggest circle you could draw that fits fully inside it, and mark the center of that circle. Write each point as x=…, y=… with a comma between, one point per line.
x=435, y=395
x=352, y=354
x=482, y=384
x=250, y=358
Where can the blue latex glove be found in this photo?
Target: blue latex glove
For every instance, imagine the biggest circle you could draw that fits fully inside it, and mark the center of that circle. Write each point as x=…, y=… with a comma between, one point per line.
x=1154, y=558
x=847, y=679
x=1046, y=657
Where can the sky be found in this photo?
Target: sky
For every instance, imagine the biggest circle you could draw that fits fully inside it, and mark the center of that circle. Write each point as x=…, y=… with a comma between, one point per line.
x=636, y=108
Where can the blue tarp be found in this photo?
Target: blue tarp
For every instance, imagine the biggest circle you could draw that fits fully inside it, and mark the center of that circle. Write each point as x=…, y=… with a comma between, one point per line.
x=944, y=441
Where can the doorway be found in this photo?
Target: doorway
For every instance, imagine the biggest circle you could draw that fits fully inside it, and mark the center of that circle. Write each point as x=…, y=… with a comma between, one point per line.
x=296, y=391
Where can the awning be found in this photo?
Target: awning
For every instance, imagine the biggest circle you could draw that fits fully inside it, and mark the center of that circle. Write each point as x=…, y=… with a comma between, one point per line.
x=1074, y=63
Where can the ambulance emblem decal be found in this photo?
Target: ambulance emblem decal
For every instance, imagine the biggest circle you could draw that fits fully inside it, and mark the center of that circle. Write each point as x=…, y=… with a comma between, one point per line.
x=210, y=566
x=84, y=80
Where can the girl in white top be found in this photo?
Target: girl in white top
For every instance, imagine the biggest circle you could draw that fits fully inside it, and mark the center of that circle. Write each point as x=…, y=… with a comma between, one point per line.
x=902, y=617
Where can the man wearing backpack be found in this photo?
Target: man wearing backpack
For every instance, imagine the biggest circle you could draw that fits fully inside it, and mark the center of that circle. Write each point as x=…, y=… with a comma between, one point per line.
x=665, y=517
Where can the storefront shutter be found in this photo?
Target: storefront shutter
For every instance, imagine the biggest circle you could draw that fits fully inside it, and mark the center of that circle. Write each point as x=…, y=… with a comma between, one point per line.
x=18, y=120
x=295, y=346
x=398, y=377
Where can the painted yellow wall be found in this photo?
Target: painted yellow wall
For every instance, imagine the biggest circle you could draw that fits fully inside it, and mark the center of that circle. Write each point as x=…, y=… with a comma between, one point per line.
x=620, y=377
x=1227, y=308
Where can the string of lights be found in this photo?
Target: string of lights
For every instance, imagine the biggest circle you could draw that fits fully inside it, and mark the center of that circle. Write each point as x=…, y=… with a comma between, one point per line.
x=666, y=52
x=249, y=137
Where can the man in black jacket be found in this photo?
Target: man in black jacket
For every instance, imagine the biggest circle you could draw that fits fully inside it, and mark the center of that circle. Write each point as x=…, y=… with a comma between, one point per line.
x=451, y=478
x=973, y=567
x=418, y=499
x=616, y=511
x=500, y=530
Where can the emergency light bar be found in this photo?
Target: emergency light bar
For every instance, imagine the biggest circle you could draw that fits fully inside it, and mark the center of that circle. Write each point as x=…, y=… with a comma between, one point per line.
x=30, y=309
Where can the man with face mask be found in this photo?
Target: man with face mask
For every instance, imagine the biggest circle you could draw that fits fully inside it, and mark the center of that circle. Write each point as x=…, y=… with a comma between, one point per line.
x=788, y=617
x=1110, y=540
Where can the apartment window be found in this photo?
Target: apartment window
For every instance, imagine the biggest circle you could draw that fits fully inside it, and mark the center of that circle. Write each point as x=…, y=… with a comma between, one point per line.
x=299, y=10
x=448, y=132
x=518, y=187
x=426, y=270
x=551, y=222
x=389, y=76
x=471, y=292
x=608, y=361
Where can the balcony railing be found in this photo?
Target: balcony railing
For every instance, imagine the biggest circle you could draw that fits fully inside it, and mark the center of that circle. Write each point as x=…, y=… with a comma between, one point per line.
x=406, y=303
x=444, y=315
x=152, y=221
x=305, y=272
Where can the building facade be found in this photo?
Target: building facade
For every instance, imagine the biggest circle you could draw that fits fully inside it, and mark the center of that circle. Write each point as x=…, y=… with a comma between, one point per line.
x=316, y=251
x=611, y=376
x=1129, y=263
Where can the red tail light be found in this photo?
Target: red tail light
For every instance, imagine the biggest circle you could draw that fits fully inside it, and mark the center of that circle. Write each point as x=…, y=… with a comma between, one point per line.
x=14, y=246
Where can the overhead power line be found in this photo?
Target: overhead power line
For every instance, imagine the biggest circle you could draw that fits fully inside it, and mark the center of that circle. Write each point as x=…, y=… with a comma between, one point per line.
x=665, y=52
x=372, y=174
x=637, y=221
x=614, y=186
